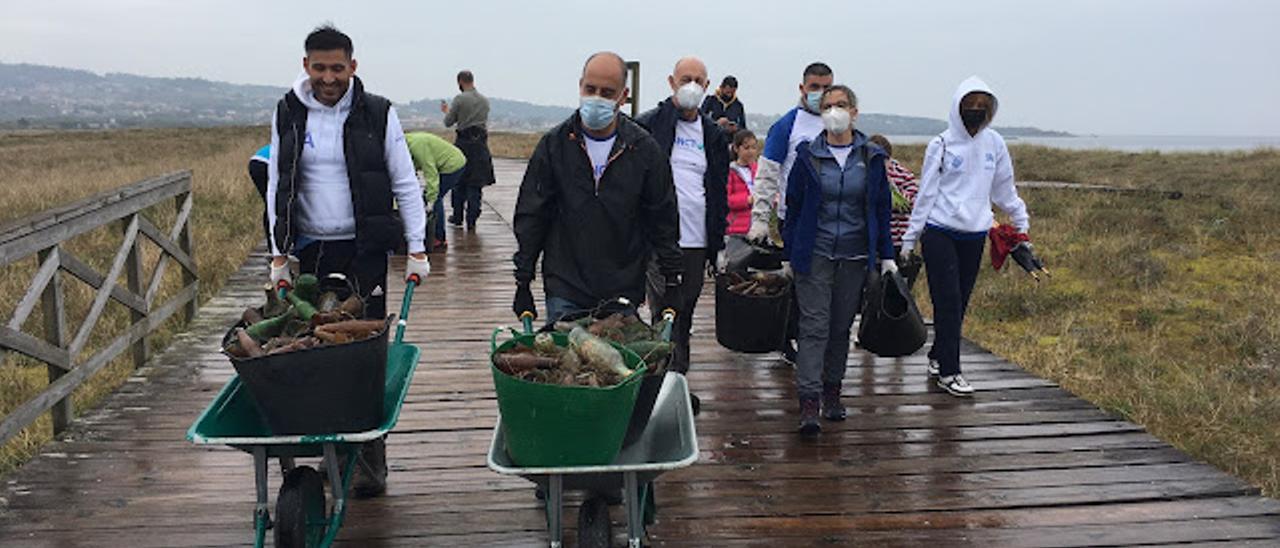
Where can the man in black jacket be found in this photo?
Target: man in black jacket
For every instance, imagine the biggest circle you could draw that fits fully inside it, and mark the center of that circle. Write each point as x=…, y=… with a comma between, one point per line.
x=724, y=107
x=699, y=160
x=597, y=203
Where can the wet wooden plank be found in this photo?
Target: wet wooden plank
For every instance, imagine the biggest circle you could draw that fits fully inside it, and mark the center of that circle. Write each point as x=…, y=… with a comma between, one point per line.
x=1023, y=463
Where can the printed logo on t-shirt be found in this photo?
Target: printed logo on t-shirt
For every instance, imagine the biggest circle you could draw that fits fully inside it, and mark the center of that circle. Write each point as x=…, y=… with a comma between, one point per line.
x=306, y=140
x=690, y=144
x=599, y=170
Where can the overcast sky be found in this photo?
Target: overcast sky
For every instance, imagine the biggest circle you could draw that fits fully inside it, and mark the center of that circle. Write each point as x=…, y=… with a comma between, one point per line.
x=1170, y=67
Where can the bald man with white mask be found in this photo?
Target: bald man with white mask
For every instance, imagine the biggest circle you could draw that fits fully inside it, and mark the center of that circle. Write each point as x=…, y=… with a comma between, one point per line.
x=698, y=152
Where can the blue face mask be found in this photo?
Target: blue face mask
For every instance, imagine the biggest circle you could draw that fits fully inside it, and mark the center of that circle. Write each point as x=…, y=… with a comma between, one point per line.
x=813, y=100
x=596, y=112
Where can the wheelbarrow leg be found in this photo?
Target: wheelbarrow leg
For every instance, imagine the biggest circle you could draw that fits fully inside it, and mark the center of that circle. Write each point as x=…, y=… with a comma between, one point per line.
x=555, y=507
x=261, y=516
x=635, y=513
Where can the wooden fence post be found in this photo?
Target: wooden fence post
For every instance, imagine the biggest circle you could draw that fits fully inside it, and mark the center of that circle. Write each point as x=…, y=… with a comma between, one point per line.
x=133, y=280
x=185, y=200
x=55, y=334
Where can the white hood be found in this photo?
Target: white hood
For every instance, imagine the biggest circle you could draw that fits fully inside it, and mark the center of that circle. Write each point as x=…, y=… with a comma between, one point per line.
x=955, y=126
x=964, y=175
x=302, y=88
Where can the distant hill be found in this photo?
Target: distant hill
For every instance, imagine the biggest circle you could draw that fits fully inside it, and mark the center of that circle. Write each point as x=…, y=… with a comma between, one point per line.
x=38, y=96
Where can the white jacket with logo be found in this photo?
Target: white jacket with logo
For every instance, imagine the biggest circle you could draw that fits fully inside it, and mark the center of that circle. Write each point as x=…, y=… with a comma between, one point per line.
x=964, y=175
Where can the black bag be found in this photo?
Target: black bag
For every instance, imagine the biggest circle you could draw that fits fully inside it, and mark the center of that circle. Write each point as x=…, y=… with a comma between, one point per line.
x=891, y=324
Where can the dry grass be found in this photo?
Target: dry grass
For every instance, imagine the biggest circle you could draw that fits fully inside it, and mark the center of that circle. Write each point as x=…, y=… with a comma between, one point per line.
x=1163, y=311
x=47, y=169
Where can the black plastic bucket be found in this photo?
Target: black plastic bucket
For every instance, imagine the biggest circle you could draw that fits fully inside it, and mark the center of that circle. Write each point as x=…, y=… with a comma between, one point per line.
x=323, y=390
x=754, y=325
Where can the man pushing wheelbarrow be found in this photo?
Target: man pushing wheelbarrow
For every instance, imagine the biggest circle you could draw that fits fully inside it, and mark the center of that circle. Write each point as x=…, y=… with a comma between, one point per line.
x=597, y=204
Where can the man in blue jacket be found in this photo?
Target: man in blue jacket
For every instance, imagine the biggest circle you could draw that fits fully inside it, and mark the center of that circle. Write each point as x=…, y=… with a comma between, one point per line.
x=699, y=157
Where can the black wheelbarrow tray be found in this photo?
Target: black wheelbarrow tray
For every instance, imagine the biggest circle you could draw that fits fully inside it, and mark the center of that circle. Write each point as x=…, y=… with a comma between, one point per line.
x=302, y=514
x=669, y=441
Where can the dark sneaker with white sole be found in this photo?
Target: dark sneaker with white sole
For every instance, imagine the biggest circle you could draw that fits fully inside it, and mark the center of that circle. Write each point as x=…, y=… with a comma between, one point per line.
x=934, y=368
x=956, y=385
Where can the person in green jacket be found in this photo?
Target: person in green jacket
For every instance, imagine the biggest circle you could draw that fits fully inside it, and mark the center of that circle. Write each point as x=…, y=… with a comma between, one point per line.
x=441, y=166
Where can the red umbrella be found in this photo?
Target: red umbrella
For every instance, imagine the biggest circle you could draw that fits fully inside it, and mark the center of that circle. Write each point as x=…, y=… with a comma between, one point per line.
x=1006, y=241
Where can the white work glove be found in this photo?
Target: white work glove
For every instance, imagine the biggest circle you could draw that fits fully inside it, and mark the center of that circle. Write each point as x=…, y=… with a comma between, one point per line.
x=887, y=266
x=722, y=260
x=786, y=270
x=758, y=232
x=415, y=266
x=280, y=275
x=907, y=246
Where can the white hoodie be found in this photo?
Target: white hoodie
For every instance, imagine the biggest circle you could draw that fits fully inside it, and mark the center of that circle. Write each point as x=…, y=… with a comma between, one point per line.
x=323, y=195
x=963, y=175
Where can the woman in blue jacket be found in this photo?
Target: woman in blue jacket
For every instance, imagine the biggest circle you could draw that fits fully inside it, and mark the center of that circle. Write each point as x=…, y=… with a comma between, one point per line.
x=839, y=187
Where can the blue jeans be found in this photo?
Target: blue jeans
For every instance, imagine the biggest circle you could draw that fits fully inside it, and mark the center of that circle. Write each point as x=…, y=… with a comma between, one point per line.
x=559, y=308
x=447, y=182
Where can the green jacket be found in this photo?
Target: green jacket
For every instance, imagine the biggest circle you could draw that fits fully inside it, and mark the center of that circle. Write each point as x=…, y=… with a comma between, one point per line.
x=433, y=156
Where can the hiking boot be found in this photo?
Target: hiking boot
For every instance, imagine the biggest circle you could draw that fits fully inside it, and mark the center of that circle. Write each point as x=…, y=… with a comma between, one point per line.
x=934, y=368
x=956, y=385
x=370, y=476
x=832, y=409
x=809, y=417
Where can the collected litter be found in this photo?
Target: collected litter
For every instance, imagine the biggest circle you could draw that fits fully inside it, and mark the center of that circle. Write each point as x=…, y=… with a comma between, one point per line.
x=304, y=318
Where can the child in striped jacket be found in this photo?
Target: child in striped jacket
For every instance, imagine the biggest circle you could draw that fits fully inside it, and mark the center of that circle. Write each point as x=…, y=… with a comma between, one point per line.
x=903, y=184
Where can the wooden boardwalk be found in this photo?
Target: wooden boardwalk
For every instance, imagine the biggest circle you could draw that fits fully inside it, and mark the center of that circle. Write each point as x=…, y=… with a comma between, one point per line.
x=1023, y=463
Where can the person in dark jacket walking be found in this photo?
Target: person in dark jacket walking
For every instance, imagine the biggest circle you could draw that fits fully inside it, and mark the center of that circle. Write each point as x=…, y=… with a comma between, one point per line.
x=837, y=230
x=596, y=203
x=699, y=160
x=470, y=112
x=724, y=108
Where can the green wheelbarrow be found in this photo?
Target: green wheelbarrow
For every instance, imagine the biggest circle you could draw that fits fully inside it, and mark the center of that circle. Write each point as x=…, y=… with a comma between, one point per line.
x=303, y=516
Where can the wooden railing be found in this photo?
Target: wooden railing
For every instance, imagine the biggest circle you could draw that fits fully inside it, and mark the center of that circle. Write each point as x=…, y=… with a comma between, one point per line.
x=44, y=235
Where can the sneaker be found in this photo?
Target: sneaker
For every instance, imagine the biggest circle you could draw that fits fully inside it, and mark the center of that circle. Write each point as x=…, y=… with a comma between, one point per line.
x=809, y=417
x=438, y=246
x=934, y=368
x=789, y=352
x=471, y=226
x=370, y=476
x=455, y=220
x=832, y=409
x=956, y=385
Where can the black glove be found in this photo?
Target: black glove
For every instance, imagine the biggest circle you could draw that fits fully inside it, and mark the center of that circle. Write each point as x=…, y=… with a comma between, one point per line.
x=524, y=301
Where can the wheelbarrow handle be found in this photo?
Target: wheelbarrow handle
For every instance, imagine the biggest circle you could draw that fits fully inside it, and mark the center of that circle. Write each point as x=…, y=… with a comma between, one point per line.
x=668, y=319
x=403, y=321
x=526, y=319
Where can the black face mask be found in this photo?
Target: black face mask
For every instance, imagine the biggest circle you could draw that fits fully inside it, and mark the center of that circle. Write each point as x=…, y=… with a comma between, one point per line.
x=973, y=118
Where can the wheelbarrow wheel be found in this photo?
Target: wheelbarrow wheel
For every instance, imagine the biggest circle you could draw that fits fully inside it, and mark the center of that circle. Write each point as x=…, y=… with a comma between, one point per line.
x=593, y=523
x=300, y=519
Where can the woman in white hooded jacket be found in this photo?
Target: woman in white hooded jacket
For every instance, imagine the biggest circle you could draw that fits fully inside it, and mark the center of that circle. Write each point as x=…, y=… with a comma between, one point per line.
x=966, y=169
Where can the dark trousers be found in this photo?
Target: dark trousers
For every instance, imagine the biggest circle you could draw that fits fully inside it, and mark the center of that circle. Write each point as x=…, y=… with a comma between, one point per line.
x=466, y=202
x=366, y=273
x=952, y=267
x=258, y=173
x=695, y=262
x=448, y=181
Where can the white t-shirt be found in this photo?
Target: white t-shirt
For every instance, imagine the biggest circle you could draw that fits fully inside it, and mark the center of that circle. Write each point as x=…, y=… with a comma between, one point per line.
x=806, y=127
x=598, y=152
x=841, y=153
x=688, y=166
